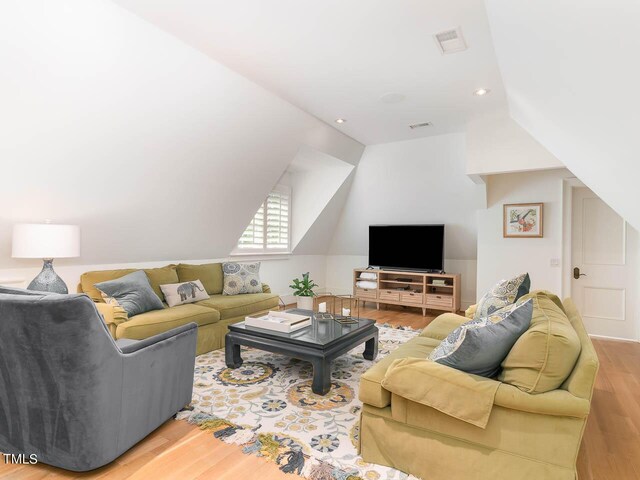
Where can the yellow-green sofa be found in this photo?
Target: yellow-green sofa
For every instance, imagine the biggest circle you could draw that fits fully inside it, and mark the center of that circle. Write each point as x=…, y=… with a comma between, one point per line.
x=439, y=423
x=212, y=315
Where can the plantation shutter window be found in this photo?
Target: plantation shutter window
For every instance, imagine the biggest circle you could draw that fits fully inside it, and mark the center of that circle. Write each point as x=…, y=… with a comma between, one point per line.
x=270, y=228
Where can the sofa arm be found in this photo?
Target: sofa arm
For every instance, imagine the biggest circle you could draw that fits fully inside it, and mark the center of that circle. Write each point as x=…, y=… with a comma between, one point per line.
x=458, y=394
x=266, y=288
x=471, y=311
x=113, y=315
x=559, y=403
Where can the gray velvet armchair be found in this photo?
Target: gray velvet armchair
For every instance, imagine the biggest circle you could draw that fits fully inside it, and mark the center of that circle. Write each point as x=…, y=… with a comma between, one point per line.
x=73, y=396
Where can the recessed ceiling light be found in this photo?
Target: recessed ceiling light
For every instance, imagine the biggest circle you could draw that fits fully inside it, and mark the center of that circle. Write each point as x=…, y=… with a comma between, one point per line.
x=481, y=91
x=340, y=120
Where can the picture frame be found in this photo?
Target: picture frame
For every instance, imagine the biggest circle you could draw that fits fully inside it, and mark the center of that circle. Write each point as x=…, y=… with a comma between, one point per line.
x=523, y=220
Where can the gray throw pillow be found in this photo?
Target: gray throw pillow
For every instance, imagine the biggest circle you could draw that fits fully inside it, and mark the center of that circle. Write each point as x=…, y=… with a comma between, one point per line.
x=479, y=346
x=504, y=293
x=241, y=278
x=132, y=292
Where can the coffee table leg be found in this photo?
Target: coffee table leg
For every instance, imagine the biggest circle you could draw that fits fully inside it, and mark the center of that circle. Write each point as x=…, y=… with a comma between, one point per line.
x=371, y=348
x=321, y=376
x=232, y=352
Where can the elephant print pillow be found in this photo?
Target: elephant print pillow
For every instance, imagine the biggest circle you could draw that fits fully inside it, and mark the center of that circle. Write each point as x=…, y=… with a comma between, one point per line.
x=186, y=292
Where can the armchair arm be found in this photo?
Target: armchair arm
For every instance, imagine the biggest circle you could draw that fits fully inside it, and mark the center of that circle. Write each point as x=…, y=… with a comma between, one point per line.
x=147, y=342
x=113, y=315
x=458, y=394
x=556, y=402
x=266, y=288
x=157, y=381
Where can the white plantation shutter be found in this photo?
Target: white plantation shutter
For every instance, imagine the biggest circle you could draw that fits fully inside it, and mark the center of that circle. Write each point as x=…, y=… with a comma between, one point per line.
x=269, y=230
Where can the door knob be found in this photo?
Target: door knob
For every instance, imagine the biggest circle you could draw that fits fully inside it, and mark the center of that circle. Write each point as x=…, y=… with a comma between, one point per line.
x=577, y=274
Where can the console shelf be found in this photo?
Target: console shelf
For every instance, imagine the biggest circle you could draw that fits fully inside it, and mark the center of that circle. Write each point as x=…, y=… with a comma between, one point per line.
x=410, y=289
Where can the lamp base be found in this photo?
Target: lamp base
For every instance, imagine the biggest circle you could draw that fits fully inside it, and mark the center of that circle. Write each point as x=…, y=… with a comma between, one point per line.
x=48, y=280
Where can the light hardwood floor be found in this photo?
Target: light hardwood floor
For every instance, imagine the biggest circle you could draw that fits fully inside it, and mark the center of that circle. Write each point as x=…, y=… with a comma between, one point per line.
x=610, y=449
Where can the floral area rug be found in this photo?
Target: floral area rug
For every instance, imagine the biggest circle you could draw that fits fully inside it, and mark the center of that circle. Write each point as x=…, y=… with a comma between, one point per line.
x=267, y=407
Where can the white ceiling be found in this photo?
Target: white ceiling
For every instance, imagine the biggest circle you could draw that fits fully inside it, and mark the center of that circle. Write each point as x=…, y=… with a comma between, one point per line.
x=336, y=58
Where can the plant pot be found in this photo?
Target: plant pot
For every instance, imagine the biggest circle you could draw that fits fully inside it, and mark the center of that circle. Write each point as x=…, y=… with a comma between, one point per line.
x=305, y=303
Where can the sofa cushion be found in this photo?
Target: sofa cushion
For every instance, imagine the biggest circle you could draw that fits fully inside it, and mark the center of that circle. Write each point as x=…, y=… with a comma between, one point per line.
x=156, y=276
x=210, y=274
x=443, y=325
x=161, y=276
x=158, y=321
x=371, y=390
x=505, y=292
x=479, y=346
x=132, y=292
x=544, y=356
x=88, y=281
x=240, y=305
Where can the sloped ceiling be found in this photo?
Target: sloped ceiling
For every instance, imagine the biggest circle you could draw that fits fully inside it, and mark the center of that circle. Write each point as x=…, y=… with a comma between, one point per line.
x=157, y=151
x=572, y=79
x=337, y=58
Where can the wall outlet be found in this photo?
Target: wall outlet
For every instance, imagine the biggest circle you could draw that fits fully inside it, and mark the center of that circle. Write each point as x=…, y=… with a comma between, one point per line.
x=555, y=262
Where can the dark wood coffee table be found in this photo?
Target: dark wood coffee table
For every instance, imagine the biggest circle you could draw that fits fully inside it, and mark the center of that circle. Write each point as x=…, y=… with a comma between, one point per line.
x=320, y=343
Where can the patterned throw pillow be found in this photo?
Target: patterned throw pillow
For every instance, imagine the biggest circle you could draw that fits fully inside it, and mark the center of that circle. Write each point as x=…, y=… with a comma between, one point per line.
x=132, y=292
x=479, y=346
x=241, y=278
x=185, y=292
x=504, y=293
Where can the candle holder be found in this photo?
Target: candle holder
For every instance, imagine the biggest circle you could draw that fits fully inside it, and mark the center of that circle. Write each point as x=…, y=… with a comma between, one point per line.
x=341, y=308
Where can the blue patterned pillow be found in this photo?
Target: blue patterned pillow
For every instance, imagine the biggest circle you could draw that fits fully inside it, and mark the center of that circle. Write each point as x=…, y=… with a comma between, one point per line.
x=504, y=293
x=241, y=278
x=479, y=346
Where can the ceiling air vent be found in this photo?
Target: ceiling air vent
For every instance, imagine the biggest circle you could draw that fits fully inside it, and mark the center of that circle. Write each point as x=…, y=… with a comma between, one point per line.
x=450, y=41
x=420, y=125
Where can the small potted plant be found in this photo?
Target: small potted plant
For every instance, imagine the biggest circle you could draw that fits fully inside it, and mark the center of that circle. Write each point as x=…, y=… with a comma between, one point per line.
x=303, y=290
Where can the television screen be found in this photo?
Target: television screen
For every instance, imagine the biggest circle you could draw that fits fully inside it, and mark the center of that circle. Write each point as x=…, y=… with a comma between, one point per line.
x=412, y=247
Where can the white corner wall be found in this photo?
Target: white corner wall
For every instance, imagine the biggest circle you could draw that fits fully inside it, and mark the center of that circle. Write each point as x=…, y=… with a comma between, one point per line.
x=500, y=257
x=153, y=148
x=410, y=182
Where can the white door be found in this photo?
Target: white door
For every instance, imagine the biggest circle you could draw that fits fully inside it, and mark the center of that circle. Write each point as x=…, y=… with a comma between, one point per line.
x=602, y=247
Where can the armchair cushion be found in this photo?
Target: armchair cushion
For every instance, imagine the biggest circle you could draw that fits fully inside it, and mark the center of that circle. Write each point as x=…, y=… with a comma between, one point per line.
x=464, y=396
x=443, y=325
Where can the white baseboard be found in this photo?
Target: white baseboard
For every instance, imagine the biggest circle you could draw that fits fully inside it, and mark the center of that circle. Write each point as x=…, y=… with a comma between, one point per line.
x=615, y=339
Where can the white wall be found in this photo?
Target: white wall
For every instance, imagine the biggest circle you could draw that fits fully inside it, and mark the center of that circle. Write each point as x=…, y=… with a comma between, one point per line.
x=154, y=149
x=315, y=178
x=497, y=144
x=500, y=257
x=410, y=182
x=277, y=271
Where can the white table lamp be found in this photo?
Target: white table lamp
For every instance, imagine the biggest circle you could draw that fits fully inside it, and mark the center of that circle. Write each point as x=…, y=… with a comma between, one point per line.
x=46, y=241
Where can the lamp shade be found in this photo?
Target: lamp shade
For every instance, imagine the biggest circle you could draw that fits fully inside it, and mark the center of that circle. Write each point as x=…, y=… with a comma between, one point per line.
x=43, y=240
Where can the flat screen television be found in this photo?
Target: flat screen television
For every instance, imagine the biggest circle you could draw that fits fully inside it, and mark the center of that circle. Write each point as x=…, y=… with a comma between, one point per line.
x=407, y=247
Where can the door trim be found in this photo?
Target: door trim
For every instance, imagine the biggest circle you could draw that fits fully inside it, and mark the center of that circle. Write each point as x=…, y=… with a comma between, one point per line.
x=568, y=184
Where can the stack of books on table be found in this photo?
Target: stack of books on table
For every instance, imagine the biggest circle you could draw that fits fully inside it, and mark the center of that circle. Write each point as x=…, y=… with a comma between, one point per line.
x=279, y=321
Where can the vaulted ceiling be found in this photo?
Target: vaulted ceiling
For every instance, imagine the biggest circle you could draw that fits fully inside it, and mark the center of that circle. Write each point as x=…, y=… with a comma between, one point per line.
x=337, y=59
x=571, y=73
